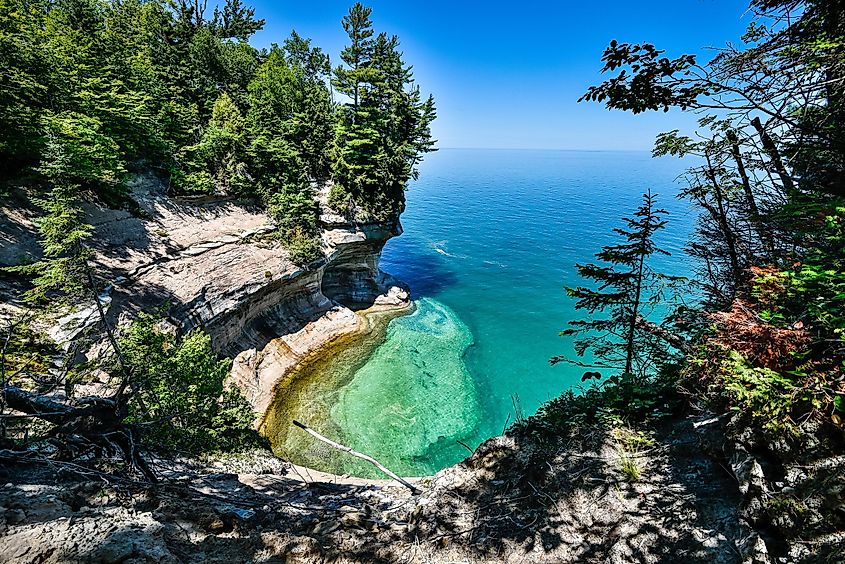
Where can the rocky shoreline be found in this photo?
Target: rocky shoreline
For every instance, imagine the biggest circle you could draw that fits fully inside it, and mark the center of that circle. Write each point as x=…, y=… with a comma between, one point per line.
x=518, y=498
x=218, y=268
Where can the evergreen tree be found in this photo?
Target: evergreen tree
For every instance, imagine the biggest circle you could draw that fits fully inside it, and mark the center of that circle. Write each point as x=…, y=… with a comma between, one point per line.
x=625, y=291
x=236, y=21
x=356, y=138
x=22, y=83
x=314, y=63
x=217, y=163
x=357, y=55
x=275, y=98
x=311, y=125
x=384, y=130
x=76, y=155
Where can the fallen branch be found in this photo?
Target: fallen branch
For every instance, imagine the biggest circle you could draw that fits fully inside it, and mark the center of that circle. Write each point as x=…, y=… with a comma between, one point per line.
x=356, y=454
x=97, y=420
x=466, y=446
x=676, y=341
x=54, y=411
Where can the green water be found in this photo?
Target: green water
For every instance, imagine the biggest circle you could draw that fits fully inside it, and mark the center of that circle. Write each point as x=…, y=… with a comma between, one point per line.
x=491, y=239
x=414, y=395
x=403, y=387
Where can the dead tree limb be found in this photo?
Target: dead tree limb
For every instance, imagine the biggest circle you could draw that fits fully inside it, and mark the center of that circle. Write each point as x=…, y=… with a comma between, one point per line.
x=97, y=420
x=774, y=156
x=124, y=367
x=356, y=454
x=675, y=341
x=50, y=410
x=750, y=200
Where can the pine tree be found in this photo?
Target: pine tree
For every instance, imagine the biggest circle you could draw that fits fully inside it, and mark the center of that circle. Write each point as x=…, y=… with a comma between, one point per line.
x=22, y=88
x=236, y=21
x=384, y=130
x=357, y=55
x=217, y=163
x=624, y=290
x=311, y=125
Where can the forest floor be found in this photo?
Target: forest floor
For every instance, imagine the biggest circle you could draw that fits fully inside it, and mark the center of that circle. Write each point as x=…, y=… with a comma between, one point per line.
x=518, y=498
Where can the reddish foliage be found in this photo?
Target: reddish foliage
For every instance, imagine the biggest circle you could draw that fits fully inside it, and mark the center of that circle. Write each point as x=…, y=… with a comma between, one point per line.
x=763, y=344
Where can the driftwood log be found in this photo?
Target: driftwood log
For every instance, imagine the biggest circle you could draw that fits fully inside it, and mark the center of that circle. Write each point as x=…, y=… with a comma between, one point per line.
x=356, y=454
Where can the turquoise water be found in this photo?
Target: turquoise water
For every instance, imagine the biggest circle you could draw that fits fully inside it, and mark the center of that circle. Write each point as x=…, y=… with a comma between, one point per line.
x=491, y=239
x=415, y=395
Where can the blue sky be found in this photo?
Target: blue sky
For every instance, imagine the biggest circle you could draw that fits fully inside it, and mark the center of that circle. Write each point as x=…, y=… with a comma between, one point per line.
x=508, y=75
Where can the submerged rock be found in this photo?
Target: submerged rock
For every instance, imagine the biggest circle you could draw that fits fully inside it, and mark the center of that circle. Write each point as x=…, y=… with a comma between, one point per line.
x=414, y=396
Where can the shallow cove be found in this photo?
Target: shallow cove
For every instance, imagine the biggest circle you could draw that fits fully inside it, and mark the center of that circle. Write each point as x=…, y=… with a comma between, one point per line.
x=491, y=237
x=400, y=391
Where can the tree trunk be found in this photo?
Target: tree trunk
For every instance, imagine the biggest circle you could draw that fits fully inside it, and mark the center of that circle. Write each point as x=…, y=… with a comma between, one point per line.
x=730, y=237
x=753, y=210
x=97, y=420
x=774, y=155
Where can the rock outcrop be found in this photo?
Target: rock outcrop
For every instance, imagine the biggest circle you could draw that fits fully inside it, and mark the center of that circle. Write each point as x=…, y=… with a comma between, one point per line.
x=519, y=498
x=218, y=267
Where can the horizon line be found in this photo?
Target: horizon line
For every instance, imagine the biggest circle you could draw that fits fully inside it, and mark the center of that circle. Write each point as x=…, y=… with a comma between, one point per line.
x=544, y=149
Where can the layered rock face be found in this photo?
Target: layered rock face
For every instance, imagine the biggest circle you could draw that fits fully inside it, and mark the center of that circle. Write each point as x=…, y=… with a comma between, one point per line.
x=219, y=268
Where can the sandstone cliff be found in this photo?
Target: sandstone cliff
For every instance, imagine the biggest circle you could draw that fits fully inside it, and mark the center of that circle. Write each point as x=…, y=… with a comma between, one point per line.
x=218, y=267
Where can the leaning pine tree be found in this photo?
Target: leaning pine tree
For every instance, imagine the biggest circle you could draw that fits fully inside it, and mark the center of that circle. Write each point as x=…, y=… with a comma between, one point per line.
x=625, y=290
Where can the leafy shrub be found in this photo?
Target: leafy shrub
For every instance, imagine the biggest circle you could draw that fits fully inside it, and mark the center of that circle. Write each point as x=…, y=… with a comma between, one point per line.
x=295, y=212
x=339, y=199
x=765, y=395
x=294, y=207
x=303, y=247
x=193, y=182
x=181, y=402
x=620, y=401
x=77, y=151
x=216, y=163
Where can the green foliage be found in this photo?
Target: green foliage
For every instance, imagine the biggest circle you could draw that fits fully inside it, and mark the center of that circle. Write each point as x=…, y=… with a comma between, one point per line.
x=384, y=131
x=629, y=443
x=295, y=212
x=290, y=118
x=236, y=21
x=771, y=236
x=294, y=207
x=22, y=90
x=95, y=87
x=769, y=334
x=91, y=90
x=216, y=164
x=650, y=87
x=78, y=152
x=60, y=276
x=764, y=395
x=303, y=247
x=816, y=286
x=27, y=351
x=631, y=440
x=180, y=401
x=629, y=466
x=621, y=400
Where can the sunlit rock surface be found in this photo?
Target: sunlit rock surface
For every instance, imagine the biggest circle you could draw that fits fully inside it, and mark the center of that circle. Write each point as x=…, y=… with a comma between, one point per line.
x=216, y=266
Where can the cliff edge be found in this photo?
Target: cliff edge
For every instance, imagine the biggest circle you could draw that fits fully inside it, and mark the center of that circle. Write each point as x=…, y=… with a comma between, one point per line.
x=215, y=264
